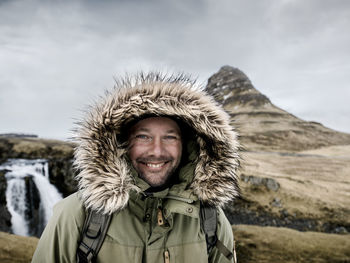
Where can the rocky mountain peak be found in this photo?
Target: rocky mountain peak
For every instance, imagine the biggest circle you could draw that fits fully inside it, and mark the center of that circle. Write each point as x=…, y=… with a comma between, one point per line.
x=262, y=125
x=232, y=88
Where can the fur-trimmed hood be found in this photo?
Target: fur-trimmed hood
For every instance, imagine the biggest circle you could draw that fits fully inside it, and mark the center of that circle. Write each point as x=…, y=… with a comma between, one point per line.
x=104, y=177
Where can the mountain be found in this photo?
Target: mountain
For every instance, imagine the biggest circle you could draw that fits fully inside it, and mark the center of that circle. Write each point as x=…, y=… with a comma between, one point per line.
x=294, y=176
x=263, y=126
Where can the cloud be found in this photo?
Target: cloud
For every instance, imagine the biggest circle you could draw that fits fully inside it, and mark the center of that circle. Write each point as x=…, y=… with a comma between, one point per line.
x=58, y=56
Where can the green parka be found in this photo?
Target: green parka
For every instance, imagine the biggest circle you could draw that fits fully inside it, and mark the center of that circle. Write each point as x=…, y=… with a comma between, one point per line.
x=110, y=185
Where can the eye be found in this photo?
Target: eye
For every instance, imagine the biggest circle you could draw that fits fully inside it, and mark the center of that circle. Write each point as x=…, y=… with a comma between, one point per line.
x=170, y=138
x=142, y=137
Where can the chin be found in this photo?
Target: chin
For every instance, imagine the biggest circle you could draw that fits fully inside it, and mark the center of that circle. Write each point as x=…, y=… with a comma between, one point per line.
x=155, y=183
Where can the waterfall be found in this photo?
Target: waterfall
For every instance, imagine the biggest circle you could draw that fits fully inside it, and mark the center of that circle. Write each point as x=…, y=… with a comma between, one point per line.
x=21, y=174
x=16, y=204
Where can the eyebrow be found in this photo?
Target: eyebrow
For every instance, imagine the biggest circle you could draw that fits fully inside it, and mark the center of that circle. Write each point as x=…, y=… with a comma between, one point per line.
x=173, y=131
x=147, y=130
x=141, y=129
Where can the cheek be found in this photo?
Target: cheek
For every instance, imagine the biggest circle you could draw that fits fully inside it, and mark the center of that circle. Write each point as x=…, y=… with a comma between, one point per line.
x=134, y=152
x=178, y=151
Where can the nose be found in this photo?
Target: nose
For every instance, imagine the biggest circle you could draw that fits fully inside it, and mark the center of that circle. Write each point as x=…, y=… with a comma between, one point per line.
x=156, y=147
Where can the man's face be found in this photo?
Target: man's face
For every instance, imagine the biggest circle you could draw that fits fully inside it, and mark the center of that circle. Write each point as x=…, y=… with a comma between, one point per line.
x=155, y=149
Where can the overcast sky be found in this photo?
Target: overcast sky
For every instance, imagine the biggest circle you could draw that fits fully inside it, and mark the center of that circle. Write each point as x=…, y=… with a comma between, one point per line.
x=57, y=57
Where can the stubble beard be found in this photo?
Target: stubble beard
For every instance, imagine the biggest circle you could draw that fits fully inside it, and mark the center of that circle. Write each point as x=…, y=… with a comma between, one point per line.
x=156, y=179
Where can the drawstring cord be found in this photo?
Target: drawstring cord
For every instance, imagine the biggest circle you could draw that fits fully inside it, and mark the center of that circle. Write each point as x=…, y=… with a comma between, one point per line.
x=160, y=221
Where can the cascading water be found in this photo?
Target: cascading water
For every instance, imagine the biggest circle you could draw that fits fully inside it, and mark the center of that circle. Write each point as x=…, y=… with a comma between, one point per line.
x=16, y=204
x=19, y=174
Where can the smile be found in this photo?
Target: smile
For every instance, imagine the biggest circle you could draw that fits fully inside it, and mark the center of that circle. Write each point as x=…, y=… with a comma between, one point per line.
x=155, y=165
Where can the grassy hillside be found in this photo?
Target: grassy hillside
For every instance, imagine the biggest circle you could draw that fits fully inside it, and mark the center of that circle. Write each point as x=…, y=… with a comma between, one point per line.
x=312, y=185
x=277, y=245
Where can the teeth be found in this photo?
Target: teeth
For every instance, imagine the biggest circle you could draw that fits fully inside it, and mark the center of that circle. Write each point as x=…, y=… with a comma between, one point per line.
x=153, y=165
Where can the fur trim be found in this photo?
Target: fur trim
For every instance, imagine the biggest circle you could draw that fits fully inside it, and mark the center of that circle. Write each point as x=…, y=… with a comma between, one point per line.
x=104, y=178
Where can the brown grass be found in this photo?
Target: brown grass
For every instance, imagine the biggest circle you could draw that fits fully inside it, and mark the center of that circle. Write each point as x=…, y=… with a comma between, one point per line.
x=16, y=249
x=313, y=184
x=276, y=245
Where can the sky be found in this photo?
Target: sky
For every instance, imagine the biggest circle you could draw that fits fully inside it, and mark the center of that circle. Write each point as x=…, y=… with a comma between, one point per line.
x=58, y=57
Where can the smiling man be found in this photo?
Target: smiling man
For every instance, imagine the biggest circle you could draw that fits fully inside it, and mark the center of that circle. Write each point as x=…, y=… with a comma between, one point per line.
x=156, y=161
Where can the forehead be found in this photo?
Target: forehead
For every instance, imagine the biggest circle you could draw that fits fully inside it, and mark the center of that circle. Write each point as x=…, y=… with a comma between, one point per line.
x=156, y=124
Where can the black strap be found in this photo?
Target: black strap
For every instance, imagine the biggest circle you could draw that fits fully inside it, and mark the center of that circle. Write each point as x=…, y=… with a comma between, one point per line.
x=93, y=235
x=209, y=221
x=224, y=250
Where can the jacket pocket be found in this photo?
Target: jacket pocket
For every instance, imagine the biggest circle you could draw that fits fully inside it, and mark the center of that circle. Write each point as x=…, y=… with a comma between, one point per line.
x=189, y=253
x=114, y=252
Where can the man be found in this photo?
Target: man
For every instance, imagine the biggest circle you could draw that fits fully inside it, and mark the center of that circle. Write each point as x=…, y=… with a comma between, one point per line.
x=149, y=155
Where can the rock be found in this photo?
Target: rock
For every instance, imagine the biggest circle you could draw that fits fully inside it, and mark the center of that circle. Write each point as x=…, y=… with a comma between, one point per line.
x=284, y=213
x=5, y=218
x=269, y=183
x=341, y=230
x=33, y=211
x=276, y=202
x=256, y=180
x=272, y=184
x=62, y=175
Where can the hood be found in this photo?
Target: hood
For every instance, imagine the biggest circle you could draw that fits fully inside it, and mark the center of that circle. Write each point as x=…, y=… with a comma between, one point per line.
x=104, y=177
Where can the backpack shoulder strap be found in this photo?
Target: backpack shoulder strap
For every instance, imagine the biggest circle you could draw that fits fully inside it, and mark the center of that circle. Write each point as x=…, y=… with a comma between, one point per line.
x=93, y=235
x=209, y=222
x=208, y=219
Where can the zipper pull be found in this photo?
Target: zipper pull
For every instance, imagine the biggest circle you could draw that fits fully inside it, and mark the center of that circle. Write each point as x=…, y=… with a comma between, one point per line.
x=166, y=256
x=160, y=217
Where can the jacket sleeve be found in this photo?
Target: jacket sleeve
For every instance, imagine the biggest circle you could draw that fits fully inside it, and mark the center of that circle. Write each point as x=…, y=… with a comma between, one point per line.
x=59, y=241
x=225, y=235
